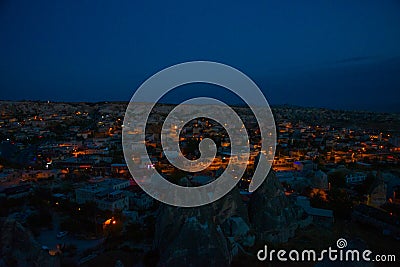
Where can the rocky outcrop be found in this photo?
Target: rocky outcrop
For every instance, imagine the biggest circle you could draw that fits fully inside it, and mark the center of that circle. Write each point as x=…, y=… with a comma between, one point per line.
x=274, y=216
x=205, y=236
x=19, y=248
x=213, y=234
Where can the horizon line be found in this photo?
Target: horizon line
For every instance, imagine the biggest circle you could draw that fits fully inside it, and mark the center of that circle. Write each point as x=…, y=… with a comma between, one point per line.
x=231, y=104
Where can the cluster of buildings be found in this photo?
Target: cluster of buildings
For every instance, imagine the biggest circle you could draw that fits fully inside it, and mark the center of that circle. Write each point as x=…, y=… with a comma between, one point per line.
x=46, y=143
x=112, y=194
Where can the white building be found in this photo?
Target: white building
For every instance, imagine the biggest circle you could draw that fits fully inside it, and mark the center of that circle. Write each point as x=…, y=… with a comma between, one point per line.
x=107, y=194
x=112, y=201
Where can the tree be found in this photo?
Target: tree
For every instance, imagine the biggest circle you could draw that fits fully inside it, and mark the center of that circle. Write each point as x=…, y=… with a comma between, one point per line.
x=337, y=179
x=340, y=203
x=365, y=187
x=39, y=219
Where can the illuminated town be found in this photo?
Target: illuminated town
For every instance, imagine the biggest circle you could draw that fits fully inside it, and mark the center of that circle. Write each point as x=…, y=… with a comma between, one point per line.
x=63, y=176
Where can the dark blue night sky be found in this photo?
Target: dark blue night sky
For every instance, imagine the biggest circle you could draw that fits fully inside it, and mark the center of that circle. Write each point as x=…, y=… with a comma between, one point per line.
x=337, y=54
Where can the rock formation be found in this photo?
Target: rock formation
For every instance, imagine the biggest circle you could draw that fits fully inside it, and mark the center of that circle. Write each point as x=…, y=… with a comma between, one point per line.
x=19, y=248
x=212, y=235
x=274, y=216
x=205, y=236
